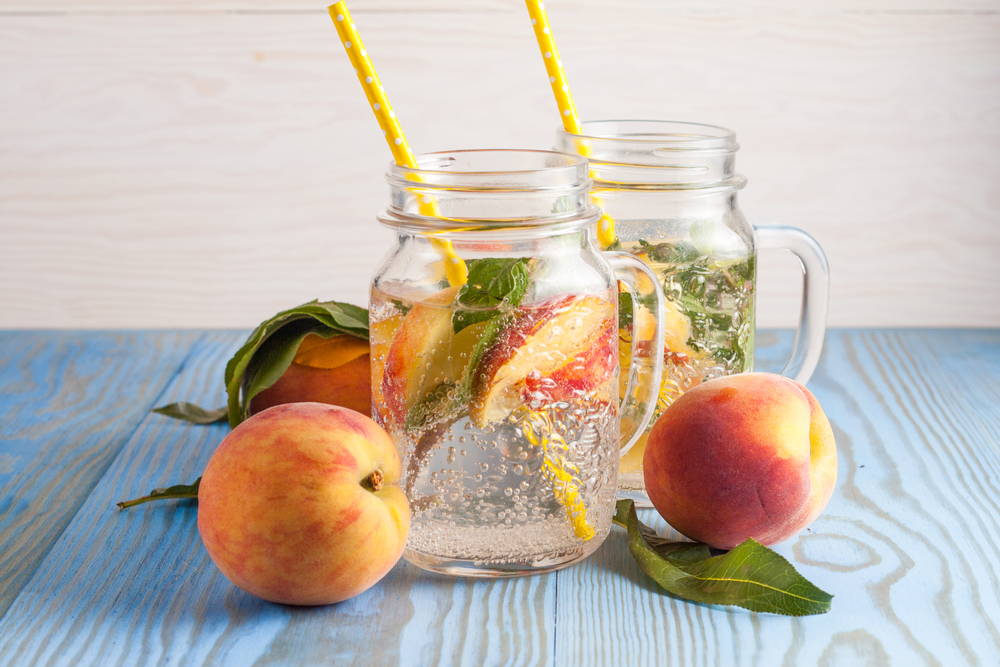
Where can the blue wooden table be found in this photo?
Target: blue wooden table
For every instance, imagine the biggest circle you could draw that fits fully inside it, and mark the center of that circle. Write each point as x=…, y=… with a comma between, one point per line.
x=910, y=544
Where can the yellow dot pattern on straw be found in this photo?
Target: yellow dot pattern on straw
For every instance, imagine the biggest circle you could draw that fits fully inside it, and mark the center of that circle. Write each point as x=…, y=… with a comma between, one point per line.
x=537, y=428
x=455, y=268
x=564, y=100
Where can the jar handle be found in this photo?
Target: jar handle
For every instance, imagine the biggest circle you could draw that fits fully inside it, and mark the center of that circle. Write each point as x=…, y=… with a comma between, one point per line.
x=643, y=288
x=808, y=343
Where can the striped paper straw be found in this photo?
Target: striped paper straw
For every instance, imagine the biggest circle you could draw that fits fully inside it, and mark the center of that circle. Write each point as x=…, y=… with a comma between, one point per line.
x=564, y=101
x=455, y=268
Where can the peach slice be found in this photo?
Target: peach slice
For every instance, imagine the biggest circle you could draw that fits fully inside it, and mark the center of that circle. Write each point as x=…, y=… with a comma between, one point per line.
x=676, y=331
x=426, y=361
x=418, y=354
x=564, y=346
x=381, y=339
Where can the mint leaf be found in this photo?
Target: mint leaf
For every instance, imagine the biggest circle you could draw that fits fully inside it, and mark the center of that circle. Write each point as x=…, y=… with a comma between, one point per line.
x=489, y=335
x=190, y=412
x=177, y=492
x=495, y=287
x=625, y=307
x=750, y=576
x=438, y=404
x=680, y=252
x=493, y=282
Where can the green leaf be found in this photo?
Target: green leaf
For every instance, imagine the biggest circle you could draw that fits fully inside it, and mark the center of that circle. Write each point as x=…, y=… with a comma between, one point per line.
x=271, y=347
x=750, y=576
x=438, y=404
x=492, y=283
x=625, y=306
x=495, y=287
x=489, y=335
x=680, y=252
x=710, y=294
x=190, y=412
x=175, y=492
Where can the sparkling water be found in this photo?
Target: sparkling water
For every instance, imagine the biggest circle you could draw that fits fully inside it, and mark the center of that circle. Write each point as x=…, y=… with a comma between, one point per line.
x=500, y=481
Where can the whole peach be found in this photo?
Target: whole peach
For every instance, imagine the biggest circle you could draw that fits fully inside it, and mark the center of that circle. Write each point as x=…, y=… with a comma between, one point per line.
x=335, y=370
x=299, y=504
x=743, y=456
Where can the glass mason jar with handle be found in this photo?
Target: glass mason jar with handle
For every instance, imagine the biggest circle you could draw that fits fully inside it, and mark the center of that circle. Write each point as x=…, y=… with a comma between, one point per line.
x=502, y=393
x=670, y=190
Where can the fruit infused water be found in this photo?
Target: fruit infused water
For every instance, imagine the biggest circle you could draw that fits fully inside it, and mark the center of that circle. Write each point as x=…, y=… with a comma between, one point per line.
x=506, y=416
x=709, y=323
x=500, y=389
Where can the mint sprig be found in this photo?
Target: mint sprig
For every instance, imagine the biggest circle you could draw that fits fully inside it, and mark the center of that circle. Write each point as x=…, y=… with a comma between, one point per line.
x=494, y=283
x=750, y=576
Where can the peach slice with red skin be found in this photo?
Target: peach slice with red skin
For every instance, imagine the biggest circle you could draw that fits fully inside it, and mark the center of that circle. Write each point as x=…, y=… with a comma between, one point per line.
x=560, y=348
x=417, y=354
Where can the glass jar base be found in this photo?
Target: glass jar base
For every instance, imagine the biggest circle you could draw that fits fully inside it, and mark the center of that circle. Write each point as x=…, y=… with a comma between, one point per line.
x=458, y=567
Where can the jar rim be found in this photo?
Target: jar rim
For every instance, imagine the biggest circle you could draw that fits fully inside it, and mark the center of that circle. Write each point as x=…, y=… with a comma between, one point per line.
x=513, y=169
x=668, y=135
x=490, y=188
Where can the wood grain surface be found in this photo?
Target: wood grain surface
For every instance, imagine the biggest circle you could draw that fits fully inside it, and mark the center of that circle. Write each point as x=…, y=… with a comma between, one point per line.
x=70, y=402
x=206, y=164
x=907, y=545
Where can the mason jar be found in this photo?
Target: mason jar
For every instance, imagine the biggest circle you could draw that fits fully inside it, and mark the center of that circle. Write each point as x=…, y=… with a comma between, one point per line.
x=668, y=191
x=501, y=387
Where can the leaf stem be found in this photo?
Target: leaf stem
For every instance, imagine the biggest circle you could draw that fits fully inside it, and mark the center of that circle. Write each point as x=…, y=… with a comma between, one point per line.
x=175, y=492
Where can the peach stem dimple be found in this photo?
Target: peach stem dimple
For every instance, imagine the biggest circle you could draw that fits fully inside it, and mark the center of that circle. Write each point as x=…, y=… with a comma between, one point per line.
x=373, y=482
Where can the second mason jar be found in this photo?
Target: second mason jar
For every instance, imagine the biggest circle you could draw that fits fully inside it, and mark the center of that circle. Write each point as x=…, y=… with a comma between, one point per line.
x=669, y=195
x=501, y=388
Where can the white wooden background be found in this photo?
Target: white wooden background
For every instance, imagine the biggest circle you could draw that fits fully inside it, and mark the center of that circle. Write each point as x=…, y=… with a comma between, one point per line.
x=203, y=163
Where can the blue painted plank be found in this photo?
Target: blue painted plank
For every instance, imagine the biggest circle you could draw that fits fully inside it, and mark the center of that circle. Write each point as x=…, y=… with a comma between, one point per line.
x=69, y=401
x=137, y=586
x=908, y=544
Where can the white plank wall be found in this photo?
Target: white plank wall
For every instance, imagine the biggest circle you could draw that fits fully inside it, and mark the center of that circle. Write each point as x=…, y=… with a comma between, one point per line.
x=204, y=163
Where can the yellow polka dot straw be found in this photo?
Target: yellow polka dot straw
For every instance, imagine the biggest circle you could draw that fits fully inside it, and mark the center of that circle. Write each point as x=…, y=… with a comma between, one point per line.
x=455, y=268
x=564, y=100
